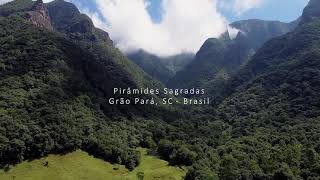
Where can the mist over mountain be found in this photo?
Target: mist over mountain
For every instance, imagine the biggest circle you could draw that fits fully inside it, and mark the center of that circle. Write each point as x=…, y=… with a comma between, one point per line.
x=218, y=59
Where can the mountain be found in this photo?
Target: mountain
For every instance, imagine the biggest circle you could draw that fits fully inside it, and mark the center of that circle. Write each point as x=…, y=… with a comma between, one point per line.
x=67, y=19
x=272, y=107
x=256, y=32
x=160, y=68
x=16, y=7
x=39, y=16
x=219, y=58
x=285, y=71
x=152, y=65
x=277, y=92
x=79, y=28
x=57, y=69
x=311, y=12
x=177, y=62
x=57, y=74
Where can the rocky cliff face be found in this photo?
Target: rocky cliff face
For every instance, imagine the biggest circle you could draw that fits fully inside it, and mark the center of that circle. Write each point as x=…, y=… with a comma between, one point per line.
x=39, y=15
x=256, y=32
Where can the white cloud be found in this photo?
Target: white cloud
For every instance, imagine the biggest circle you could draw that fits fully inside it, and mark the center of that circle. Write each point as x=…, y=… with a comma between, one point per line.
x=4, y=1
x=241, y=6
x=238, y=7
x=185, y=25
x=233, y=32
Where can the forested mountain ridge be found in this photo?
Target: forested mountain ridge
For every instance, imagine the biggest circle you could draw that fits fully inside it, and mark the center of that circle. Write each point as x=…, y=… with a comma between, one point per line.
x=277, y=93
x=295, y=52
x=219, y=58
x=55, y=87
x=160, y=68
x=79, y=28
x=272, y=106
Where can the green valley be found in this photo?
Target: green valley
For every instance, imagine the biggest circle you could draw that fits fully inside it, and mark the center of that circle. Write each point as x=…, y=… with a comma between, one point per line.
x=81, y=166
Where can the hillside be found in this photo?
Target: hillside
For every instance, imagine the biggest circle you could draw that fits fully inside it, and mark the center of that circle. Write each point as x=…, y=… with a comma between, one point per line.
x=79, y=165
x=79, y=28
x=160, y=68
x=284, y=71
x=278, y=90
x=272, y=107
x=55, y=86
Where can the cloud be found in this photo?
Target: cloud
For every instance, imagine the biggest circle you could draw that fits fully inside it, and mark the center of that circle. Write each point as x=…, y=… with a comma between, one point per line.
x=185, y=25
x=4, y=1
x=238, y=7
x=241, y=6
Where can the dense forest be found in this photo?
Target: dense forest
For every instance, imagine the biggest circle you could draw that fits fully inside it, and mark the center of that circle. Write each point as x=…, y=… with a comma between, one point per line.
x=161, y=68
x=264, y=123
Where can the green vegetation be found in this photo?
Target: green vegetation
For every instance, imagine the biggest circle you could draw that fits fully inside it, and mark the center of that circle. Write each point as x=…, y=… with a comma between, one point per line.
x=79, y=165
x=53, y=97
x=152, y=65
x=160, y=68
x=79, y=28
x=54, y=85
x=16, y=7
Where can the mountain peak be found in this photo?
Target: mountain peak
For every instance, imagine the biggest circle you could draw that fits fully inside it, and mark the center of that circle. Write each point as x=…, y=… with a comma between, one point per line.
x=40, y=7
x=66, y=18
x=39, y=15
x=311, y=12
x=39, y=2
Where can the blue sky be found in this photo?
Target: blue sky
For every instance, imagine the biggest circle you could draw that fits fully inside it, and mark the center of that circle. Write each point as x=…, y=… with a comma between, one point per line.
x=282, y=10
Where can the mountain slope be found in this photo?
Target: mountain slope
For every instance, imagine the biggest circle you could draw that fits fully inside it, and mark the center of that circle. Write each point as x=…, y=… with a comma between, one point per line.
x=279, y=89
x=16, y=7
x=55, y=90
x=311, y=12
x=272, y=106
x=286, y=72
x=79, y=28
x=49, y=101
x=286, y=69
x=220, y=58
x=152, y=65
x=160, y=68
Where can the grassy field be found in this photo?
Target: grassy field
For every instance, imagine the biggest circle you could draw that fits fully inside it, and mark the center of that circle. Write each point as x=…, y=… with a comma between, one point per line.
x=80, y=166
